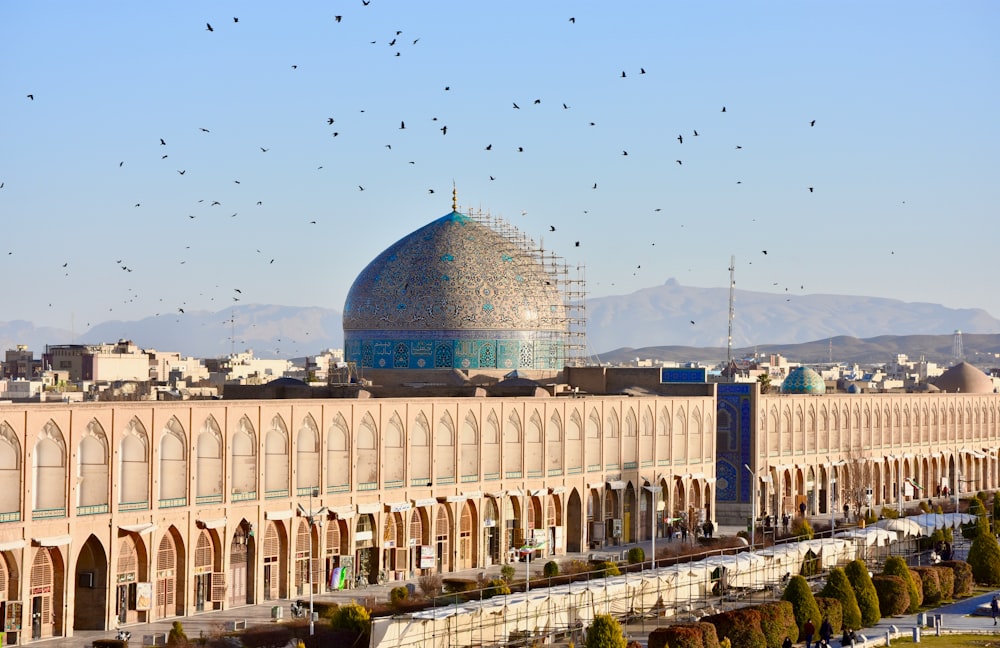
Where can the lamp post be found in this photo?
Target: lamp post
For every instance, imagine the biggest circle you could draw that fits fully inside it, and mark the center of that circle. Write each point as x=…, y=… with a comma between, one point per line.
x=654, y=488
x=753, y=504
x=311, y=516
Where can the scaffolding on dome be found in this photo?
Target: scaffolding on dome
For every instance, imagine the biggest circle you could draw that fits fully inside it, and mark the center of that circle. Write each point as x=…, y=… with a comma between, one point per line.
x=571, y=286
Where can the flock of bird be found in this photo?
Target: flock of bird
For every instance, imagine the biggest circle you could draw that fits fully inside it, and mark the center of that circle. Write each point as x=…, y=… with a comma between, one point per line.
x=395, y=42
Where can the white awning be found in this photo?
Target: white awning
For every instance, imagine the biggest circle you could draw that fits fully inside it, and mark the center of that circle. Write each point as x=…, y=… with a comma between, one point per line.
x=369, y=509
x=285, y=514
x=426, y=501
x=497, y=494
x=52, y=541
x=142, y=528
x=515, y=492
x=538, y=492
x=474, y=495
x=344, y=512
x=616, y=485
x=398, y=507
x=558, y=490
x=455, y=499
x=217, y=523
x=11, y=545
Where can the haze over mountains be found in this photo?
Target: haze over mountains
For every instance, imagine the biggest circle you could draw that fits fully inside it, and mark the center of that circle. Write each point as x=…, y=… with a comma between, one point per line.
x=653, y=317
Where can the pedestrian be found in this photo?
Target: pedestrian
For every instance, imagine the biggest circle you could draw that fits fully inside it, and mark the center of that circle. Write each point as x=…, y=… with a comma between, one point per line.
x=826, y=630
x=684, y=533
x=802, y=509
x=995, y=608
x=809, y=630
x=847, y=513
x=784, y=521
x=787, y=643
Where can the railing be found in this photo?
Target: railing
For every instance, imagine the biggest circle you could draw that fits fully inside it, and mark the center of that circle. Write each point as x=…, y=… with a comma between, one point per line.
x=555, y=472
x=208, y=499
x=133, y=506
x=42, y=514
x=367, y=486
x=305, y=491
x=396, y=483
x=491, y=476
x=338, y=488
x=513, y=474
x=277, y=493
x=420, y=481
x=242, y=496
x=92, y=509
x=469, y=478
x=173, y=502
x=10, y=516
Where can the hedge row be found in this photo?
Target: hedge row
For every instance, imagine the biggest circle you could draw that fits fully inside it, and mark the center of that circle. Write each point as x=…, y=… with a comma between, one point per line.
x=893, y=595
x=759, y=626
x=685, y=635
x=831, y=610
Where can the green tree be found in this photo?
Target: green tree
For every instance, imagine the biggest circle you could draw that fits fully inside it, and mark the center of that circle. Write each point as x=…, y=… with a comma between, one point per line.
x=896, y=566
x=803, y=602
x=893, y=599
x=981, y=525
x=838, y=587
x=764, y=380
x=605, y=632
x=984, y=558
x=864, y=591
x=996, y=513
x=177, y=637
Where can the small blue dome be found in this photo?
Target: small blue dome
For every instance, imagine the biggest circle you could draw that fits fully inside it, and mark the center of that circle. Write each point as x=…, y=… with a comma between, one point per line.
x=803, y=380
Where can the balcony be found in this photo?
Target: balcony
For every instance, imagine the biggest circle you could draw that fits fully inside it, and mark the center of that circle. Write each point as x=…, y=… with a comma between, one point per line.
x=11, y=516
x=277, y=493
x=173, y=502
x=133, y=506
x=208, y=499
x=242, y=496
x=44, y=514
x=93, y=509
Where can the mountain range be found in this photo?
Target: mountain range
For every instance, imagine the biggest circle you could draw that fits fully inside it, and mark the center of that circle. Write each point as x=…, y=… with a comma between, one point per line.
x=691, y=321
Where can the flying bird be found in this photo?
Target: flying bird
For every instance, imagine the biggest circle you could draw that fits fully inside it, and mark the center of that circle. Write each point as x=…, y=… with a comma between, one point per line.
x=623, y=74
x=565, y=107
x=182, y=171
x=516, y=107
x=696, y=133
x=812, y=123
x=572, y=20
x=624, y=152
x=538, y=101
x=235, y=19
x=31, y=97
x=337, y=18
x=723, y=109
x=764, y=252
x=552, y=228
x=329, y=120
x=679, y=162
x=204, y=130
x=680, y=138
x=444, y=130
x=264, y=150
x=810, y=189
x=402, y=125
x=162, y=143
x=642, y=70
x=360, y=188
x=208, y=27
x=489, y=147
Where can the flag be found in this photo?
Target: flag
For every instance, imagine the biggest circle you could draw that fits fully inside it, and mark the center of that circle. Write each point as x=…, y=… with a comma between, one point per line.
x=914, y=484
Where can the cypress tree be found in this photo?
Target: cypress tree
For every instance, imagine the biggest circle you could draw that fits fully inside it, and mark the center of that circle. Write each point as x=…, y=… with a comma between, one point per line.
x=864, y=590
x=803, y=602
x=838, y=587
x=896, y=566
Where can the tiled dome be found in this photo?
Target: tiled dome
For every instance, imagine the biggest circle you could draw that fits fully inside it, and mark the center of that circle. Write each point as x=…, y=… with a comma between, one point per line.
x=454, y=293
x=803, y=380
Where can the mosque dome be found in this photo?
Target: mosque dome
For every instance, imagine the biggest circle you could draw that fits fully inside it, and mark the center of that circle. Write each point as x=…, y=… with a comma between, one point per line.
x=455, y=294
x=964, y=378
x=803, y=380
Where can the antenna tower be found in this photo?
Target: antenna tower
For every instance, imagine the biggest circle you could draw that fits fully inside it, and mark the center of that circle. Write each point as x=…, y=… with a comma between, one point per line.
x=956, y=346
x=732, y=313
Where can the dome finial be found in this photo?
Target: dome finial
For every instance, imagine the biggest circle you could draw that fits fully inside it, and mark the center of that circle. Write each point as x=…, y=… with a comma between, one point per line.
x=454, y=197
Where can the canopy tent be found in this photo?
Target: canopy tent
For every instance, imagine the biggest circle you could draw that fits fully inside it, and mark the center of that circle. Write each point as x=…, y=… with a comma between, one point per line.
x=905, y=527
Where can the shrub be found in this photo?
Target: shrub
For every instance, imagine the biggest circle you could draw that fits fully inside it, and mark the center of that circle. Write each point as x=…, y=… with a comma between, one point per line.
x=324, y=608
x=709, y=637
x=458, y=585
x=801, y=597
x=606, y=568
x=830, y=609
x=893, y=595
x=682, y=635
x=996, y=513
x=802, y=529
x=963, y=576
x=551, y=569
x=918, y=584
x=946, y=577
x=352, y=617
x=398, y=595
x=777, y=621
x=507, y=572
x=984, y=558
x=896, y=566
x=838, y=587
x=870, y=518
x=981, y=525
x=741, y=627
x=725, y=643
x=932, y=587
x=857, y=574
x=605, y=632
x=110, y=643
x=575, y=567
x=176, y=637
x=889, y=513
x=636, y=555
x=430, y=584
x=496, y=587
x=266, y=636
x=810, y=564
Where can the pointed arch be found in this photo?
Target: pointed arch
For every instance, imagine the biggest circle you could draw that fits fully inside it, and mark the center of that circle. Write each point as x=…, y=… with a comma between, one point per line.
x=469, y=448
x=93, y=473
x=244, y=461
x=276, y=470
x=491, y=447
x=367, y=450
x=133, y=467
x=444, y=454
x=420, y=451
x=11, y=483
x=630, y=441
x=554, y=445
x=49, y=483
x=307, y=455
x=173, y=469
x=574, y=443
x=593, y=452
x=338, y=455
x=612, y=451
x=512, y=447
x=534, y=446
x=209, y=462
x=394, y=453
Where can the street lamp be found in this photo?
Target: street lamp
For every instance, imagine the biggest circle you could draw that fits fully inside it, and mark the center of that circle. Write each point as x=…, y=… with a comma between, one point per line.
x=311, y=516
x=654, y=488
x=753, y=504
x=833, y=494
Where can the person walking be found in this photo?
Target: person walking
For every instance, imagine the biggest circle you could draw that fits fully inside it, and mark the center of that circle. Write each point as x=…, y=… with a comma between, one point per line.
x=809, y=630
x=995, y=608
x=787, y=643
x=826, y=631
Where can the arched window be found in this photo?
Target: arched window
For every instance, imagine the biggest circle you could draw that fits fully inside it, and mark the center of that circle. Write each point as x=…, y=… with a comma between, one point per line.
x=367, y=454
x=209, y=462
x=93, y=474
x=133, y=482
x=49, y=486
x=469, y=448
x=173, y=465
x=307, y=455
x=420, y=451
x=393, y=453
x=244, y=460
x=512, y=446
x=338, y=456
x=276, y=459
x=10, y=475
x=444, y=458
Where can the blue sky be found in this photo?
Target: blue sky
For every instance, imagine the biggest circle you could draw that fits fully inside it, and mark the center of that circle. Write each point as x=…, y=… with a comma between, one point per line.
x=902, y=157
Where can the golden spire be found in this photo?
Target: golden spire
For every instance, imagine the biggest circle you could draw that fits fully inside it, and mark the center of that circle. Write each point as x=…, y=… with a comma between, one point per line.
x=454, y=197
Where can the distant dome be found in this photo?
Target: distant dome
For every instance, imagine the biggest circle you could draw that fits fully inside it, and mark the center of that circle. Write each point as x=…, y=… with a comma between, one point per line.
x=455, y=294
x=964, y=378
x=803, y=380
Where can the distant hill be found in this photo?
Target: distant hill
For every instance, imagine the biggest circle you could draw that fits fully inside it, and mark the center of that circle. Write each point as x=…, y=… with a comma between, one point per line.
x=646, y=323
x=678, y=315
x=981, y=350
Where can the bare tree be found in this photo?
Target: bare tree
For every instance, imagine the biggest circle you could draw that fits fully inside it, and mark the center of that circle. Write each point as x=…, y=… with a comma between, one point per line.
x=856, y=477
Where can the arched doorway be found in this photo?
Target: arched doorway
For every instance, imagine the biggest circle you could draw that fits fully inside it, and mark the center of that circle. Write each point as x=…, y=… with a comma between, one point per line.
x=574, y=523
x=491, y=534
x=241, y=566
x=629, y=513
x=338, y=574
x=394, y=555
x=536, y=525
x=10, y=605
x=553, y=518
x=209, y=581
x=513, y=538
x=442, y=539
x=46, y=604
x=275, y=561
x=91, y=593
x=169, y=575
x=366, y=552
x=418, y=539
x=466, y=538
